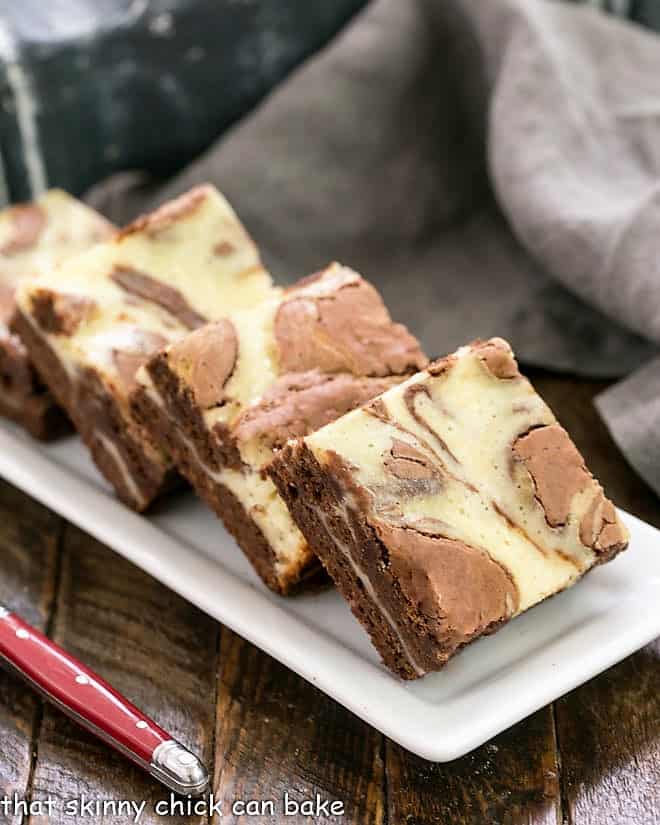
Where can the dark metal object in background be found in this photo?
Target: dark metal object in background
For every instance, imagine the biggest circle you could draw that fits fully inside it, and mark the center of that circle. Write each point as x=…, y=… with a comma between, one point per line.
x=88, y=87
x=646, y=12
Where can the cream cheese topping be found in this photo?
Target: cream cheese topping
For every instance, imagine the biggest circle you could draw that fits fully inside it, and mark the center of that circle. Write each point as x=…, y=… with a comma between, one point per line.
x=67, y=228
x=203, y=253
x=465, y=420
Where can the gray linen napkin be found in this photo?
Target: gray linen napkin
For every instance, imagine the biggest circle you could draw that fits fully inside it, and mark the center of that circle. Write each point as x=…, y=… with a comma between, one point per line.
x=494, y=167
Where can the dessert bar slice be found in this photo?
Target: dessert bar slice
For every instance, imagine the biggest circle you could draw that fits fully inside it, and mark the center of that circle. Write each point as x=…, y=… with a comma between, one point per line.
x=447, y=506
x=33, y=236
x=90, y=323
x=225, y=398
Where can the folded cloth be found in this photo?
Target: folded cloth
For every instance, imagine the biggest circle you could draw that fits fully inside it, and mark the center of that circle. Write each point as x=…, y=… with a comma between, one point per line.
x=631, y=409
x=493, y=167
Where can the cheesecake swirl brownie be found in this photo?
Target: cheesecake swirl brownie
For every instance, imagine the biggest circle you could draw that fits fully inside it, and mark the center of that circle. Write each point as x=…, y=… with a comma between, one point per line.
x=34, y=236
x=90, y=323
x=447, y=506
x=228, y=396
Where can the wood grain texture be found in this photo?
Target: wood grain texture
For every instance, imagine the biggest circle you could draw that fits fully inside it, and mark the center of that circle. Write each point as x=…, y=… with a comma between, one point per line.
x=28, y=562
x=512, y=779
x=152, y=646
x=609, y=729
x=609, y=733
x=277, y=733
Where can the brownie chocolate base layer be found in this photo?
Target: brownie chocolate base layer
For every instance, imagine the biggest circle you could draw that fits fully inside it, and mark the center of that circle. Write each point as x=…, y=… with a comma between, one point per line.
x=43, y=419
x=35, y=237
x=404, y=637
x=185, y=449
x=121, y=459
x=23, y=398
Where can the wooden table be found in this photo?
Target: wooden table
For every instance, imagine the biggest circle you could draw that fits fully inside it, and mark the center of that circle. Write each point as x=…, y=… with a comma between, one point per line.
x=591, y=757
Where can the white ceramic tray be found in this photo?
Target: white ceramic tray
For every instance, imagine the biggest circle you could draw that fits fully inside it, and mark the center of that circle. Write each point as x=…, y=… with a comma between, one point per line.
x=487, y=688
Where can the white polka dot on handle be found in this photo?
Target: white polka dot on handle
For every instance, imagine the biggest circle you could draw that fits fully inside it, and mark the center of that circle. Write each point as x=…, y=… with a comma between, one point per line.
x=141, y=725
x=21, y=633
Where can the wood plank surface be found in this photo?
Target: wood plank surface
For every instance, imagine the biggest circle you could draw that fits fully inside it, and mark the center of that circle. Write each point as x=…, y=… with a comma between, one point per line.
x=152, y=646
x=29, y=536
x=277, y=734
x=512, y=779
x=609, y=732
x=609, y=729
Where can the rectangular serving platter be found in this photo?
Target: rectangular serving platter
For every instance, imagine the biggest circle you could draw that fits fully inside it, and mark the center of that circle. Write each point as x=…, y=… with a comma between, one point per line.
x=487, y=688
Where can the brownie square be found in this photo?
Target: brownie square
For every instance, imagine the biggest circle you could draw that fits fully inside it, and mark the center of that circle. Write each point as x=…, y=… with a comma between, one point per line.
x=34, y=236
x=227, y=397
x=90, y=323
x=447, y=506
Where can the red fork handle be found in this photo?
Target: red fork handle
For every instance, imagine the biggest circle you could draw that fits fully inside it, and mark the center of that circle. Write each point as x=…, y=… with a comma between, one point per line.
x=97, y=706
